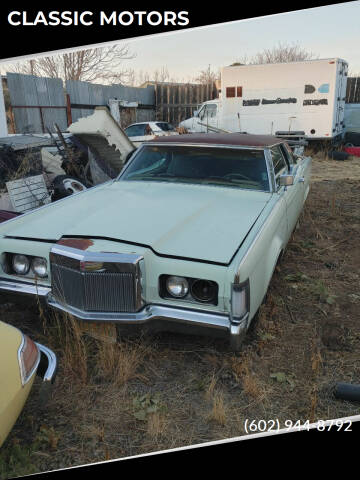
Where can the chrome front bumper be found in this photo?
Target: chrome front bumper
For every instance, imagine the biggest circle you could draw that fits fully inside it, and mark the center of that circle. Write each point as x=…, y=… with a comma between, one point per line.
x=48, y=364
x=23, y=287
x=153, y=317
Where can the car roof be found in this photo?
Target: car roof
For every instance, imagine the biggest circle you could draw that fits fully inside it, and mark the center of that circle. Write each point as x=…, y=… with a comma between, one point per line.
x=138, y=123
x=146, y=123
x=235, y=139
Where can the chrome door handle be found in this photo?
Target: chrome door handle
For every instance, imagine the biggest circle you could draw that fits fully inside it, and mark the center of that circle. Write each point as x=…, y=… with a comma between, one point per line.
x=301, y=179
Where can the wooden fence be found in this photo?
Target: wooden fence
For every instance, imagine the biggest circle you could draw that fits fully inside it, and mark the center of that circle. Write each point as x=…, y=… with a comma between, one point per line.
x=176, y=102
x=353, y=90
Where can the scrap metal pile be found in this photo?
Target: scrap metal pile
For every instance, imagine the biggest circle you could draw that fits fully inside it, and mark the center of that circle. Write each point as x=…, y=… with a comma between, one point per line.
x=35, y=170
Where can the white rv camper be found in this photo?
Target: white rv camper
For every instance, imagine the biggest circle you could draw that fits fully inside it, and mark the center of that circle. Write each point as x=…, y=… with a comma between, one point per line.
x=298, y=99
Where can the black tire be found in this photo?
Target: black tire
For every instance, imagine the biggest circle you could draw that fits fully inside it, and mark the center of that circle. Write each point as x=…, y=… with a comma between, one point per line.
x=338, y=155
x=352, y=137
x=64, y=186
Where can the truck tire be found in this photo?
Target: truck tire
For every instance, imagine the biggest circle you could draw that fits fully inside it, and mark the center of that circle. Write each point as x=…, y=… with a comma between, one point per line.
x=338, y=155
x=352, y=137
x=64, y=186
x=347, y=391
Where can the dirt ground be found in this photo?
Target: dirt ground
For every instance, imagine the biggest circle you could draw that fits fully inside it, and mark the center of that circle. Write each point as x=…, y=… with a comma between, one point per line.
x=112, y=400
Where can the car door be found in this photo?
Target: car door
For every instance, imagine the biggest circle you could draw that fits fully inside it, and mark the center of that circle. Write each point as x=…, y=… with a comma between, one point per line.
x=293, y=194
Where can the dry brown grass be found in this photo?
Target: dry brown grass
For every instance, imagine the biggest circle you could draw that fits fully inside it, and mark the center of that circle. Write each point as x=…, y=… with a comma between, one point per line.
x=156, y=425
x=119, y=363
x=75, y=356
x=209, y=393
x=249, y=381
x=218, y=411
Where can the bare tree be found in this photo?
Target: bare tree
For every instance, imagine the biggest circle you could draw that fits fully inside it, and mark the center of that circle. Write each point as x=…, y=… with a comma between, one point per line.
x=90, y=65
x=161, y=75
x=207, y=76
x=281, y=53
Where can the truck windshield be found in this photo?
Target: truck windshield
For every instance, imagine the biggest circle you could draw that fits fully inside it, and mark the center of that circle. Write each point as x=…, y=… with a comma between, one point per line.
x=239, y=168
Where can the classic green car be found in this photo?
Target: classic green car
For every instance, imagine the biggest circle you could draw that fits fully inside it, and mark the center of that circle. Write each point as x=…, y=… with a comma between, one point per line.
x=21, y=359
x=187, y=237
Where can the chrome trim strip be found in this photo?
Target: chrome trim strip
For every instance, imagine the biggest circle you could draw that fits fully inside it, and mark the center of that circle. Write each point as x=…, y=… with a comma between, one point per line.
x=24, y=380
x=220, y=145
x=270, y=169
x=26, y=288
x=149, y=313
x=49, y=375
x=90, y=256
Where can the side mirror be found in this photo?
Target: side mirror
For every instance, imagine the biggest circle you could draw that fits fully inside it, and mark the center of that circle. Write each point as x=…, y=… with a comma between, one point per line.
x=286, y=180
x=196, y=113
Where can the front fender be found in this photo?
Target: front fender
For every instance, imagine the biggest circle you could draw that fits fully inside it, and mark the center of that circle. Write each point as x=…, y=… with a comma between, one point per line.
x=257, y=259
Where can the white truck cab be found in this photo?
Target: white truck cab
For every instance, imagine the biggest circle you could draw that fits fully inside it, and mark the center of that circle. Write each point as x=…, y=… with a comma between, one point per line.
x=206, y=117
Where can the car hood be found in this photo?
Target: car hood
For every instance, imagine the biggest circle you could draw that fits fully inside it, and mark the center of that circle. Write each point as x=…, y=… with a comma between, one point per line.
x=192, y=221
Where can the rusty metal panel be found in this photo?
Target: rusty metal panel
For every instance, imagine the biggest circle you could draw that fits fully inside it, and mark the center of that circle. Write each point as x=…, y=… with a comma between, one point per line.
x=32, y=99
x=85, y=93
x=145, y=115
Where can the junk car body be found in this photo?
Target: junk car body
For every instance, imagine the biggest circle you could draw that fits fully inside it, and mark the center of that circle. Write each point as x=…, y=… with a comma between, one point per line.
x=21, y=359
x=187, y=237
x=145, y=131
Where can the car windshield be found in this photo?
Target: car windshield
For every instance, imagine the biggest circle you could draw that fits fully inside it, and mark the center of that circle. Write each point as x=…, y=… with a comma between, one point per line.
x=240, y=168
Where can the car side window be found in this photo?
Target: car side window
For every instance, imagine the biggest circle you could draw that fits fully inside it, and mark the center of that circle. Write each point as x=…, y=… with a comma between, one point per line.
x=281, y=165
x=211, y=110
x=166, y=127
x=201, y=112
x=288, y=153
x=135, y=131
x=208, y=111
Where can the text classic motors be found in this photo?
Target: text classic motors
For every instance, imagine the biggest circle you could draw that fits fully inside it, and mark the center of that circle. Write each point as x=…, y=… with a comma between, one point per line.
x=87, y=18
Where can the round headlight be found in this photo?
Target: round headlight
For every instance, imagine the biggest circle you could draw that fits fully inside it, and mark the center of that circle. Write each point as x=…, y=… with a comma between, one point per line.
x=203, y=290
x=177, y=286
x=39, y=266
x=21, y=264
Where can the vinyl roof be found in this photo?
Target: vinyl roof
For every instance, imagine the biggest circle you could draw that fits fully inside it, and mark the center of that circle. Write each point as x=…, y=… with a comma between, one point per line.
x=235, y=139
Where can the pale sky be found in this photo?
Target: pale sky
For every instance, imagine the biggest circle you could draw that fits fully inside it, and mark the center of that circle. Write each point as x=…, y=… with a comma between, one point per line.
x=330, y=31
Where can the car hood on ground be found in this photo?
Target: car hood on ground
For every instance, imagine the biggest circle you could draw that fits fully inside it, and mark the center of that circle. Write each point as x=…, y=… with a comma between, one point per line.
x=193, y=221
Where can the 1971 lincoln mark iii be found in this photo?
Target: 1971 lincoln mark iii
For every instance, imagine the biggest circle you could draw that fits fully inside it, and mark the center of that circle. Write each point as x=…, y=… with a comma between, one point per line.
x=187, y=237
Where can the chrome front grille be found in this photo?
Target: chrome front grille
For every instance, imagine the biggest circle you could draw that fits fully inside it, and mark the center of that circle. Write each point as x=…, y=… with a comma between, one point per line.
x=96, y=281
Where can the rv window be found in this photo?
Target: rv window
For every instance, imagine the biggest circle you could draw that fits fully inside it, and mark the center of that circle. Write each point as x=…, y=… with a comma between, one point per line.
x=230, y=92
x=239, y=92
